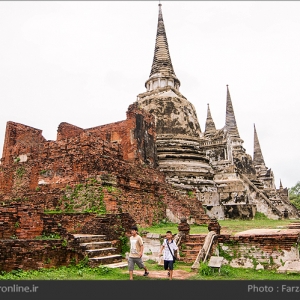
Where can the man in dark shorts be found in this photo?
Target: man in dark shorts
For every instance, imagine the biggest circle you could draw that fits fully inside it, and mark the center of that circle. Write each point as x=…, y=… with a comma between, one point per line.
x=168, y=245
x=136, y=253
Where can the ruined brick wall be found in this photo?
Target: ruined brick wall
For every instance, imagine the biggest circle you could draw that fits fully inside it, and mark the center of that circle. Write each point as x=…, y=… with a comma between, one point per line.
x=141, y=191
x=8, y=221
x=6, y=181
x=122, y=151
x=20, y=140
x=267, y=242
x=66, y=130
x=136, y=135
x=269, y=249
x=36, y=254
x=23, y=221
x=27, y=253
x=20, y=220
x=111, y=225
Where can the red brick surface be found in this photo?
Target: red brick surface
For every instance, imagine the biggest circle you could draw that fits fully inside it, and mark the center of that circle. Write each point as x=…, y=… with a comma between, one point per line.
x=124, y=150
x=268, y=243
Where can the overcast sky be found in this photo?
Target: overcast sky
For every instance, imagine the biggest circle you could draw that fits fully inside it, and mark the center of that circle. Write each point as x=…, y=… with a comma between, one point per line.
x=85, y=62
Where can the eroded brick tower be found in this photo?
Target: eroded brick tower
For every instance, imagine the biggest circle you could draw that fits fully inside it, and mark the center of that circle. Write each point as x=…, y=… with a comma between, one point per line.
x=214, y=164
x=178, y=131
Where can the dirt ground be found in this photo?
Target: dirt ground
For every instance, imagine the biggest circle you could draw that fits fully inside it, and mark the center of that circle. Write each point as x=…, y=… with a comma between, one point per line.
x=177, y=274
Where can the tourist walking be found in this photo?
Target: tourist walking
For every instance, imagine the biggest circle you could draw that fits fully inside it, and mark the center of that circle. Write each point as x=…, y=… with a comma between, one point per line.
x=136, y=253
x=169, y=246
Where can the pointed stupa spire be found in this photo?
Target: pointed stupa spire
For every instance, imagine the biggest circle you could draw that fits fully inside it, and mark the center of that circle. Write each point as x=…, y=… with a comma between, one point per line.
x=230, y=122
x=257, y=156
x=162, y=59
x=209, y=125
x=162, y=71
x=280, y=185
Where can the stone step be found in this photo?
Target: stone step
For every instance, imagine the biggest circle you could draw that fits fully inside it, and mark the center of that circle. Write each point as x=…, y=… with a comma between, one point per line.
x=293, y=226
x=88, y=238
x=193, y=246
x=121, y=264
x=189, y=259
x=95, y=245
x=197, y=248
x=101, y=252
x=101, y=260
x=196, y=237
x=188, y=252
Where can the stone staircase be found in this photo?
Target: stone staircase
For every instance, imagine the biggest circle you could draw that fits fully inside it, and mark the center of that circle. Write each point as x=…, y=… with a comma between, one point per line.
x=205, y=251
x=191, y=247
x=264, y=199
x=100, y=251
x=294, y=225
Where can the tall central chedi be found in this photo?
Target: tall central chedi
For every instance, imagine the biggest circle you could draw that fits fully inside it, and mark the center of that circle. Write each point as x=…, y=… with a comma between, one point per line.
x=178, y=132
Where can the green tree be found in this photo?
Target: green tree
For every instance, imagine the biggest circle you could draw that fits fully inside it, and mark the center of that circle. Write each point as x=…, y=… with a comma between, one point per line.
x=294, y=195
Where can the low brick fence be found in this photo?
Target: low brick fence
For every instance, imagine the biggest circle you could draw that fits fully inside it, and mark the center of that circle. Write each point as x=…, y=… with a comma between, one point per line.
x=269, y=250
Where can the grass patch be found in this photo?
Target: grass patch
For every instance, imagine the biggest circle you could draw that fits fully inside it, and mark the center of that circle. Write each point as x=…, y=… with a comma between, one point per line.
x=66, y=273
x=234, y=226
x=260, y=216
x=50, y=236
x=162, y=228
x=83, y=198
x=229, y=273
x=82, y=272
x=227, y=226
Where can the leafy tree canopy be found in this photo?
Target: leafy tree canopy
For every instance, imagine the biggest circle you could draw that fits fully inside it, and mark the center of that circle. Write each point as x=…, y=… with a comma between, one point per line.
x=294, y=195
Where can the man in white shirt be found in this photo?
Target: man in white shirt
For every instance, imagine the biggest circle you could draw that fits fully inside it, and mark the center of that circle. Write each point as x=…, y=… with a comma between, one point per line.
x=169, y=247
x=136, y=253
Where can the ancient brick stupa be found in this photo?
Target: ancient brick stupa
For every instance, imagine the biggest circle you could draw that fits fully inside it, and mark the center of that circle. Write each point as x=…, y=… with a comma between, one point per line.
x=177, y=126
x=213, y=164
x=158, y=159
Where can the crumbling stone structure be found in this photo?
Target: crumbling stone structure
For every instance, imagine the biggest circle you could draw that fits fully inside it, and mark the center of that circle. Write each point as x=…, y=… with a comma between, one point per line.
x=183, y=229
x=213, y=163
x=155, y=164
x=178, y=131
x=258, y=248
x=20, y=248
x=111, y=168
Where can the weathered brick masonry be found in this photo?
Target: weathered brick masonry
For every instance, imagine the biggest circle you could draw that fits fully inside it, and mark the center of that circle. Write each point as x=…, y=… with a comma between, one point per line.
x=29, y=253
x=122, y=155
x=35, y=254
x=268, y=243
x=116, y=162
x=111, y=225
x=22, y=221
x=270, y=249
